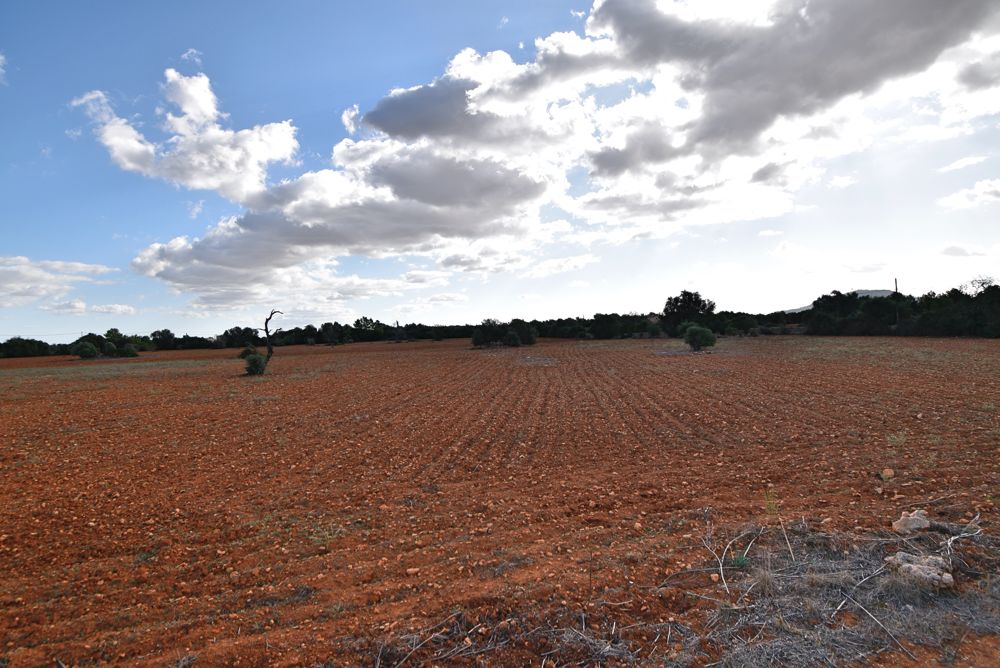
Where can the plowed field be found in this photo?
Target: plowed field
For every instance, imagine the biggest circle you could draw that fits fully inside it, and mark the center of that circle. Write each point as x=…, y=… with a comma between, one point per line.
x=168, y=509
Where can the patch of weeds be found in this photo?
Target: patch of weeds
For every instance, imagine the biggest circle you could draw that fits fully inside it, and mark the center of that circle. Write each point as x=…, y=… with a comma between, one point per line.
x=185, y=661
x=334, y=610
x=770, y=504
x=147, y=555
x=300, y=594
x=896, y=440
x=430, y=488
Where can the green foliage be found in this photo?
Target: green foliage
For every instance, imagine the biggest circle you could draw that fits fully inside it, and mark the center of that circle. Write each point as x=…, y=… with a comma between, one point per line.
x=129, y=351
x=511, y=339
x=256, y=364
x=21, y=347
x=686, y=306
x=163, y=339
x=109, y=349
x=479, y=337
x=684, y=327
x=526, y=333
x=247, y=352
x=699, y=337
x=84, y=350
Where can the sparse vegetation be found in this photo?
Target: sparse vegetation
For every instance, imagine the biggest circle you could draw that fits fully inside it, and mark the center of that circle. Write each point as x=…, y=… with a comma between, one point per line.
x=255, y=364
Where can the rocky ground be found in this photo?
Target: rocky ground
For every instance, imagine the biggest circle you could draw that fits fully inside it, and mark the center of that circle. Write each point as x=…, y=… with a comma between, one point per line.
x=427, y=502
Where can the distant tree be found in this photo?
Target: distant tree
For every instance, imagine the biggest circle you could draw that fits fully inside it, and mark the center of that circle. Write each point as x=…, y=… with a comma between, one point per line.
x=115, y=337
x=511, y=339
x=479, y=337
x=268, y=334
x=109, y=349
x=129, y=350
x=163, y=339
x=84, y=350
x=526, y=333
x=21, y=347
x=685, y=306
x=699, y=337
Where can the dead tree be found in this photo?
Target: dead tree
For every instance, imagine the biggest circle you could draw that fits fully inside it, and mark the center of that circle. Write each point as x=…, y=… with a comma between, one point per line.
x=268, y=332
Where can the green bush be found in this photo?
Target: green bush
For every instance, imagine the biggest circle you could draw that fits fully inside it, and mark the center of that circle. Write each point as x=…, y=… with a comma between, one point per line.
x=511, y=339
x=248, y=351
x=699, y=337
x=109, y=349
x=129, y=351
x=479, y=337
x=256, y=364
x=84, y=350
x=684, y=326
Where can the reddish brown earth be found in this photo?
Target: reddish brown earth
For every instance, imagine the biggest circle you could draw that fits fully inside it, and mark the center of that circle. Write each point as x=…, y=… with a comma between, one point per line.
x=168, y=506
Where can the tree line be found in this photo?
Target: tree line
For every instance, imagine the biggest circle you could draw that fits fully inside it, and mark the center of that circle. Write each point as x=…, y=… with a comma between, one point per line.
x=972, y=309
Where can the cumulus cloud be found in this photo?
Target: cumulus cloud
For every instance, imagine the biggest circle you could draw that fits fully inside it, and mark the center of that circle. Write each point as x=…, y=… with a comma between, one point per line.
x=24, y=281
x=812, y=54
x=80, y=307
x=114, y=309
x=659, y=116
x=198, y=153
x=349, y=117
x=984, y=192
x=983, y=73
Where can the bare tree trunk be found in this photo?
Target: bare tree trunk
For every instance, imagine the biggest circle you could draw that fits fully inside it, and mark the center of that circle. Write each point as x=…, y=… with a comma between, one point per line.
x=267, y=334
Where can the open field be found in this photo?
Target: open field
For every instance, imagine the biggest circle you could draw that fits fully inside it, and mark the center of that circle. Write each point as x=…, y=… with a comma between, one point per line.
x=165, y=508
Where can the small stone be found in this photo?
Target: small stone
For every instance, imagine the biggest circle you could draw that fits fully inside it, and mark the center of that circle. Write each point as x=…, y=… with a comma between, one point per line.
x=887, y=474
x=715, y=577
x=910, y=522
x=412, y=571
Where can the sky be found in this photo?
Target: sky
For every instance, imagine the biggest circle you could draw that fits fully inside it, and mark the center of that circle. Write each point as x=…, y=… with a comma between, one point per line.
x=192, y=165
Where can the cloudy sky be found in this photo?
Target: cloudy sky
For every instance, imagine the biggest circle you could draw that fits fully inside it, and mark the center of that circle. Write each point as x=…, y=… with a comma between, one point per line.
x=191, y=165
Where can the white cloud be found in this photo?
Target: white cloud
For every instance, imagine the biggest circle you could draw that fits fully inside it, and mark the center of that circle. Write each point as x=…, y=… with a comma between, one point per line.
x=198, y=153
x=24, y=281
x=80, y=307
x=192, y=55
x=963, y=163
x=770, y=233
x=71, y=307
x=349, y=118
x=195, y=208
x=114, y=309
x=504, y=20
x=984, y=192
x=660, y=117
x=3, y=69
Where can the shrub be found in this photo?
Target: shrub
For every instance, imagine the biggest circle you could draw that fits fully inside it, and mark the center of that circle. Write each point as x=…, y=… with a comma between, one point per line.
x=699, y=337
x=84, y=350
x=247, y=352
x=479, y=337
x=256, y=364
x=109, y=349
x=511, y=339
x=129, y=351
x=684, y=326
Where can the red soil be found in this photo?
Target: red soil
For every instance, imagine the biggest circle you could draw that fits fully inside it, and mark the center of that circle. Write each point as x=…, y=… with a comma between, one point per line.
x=170, y=506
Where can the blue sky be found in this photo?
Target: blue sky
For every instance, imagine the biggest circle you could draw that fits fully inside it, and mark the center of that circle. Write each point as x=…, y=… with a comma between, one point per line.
x=190, y=165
